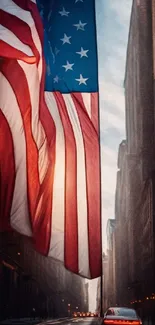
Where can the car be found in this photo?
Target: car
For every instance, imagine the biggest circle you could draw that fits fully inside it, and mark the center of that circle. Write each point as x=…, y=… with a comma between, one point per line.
x=88, y=313
x=92, y=315
x=121, y=316
x=75, y=314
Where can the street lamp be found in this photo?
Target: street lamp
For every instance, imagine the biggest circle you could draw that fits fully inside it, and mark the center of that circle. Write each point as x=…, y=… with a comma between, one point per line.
x=77, y=307
x=69, y=311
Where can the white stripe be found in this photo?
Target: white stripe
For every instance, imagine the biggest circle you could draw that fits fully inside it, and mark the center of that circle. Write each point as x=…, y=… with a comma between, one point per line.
x=87, y=102
x=10, y=7
x=58, y=210
x=81, y=188
x=7, y=36
x=31, y=73
x=34, y=85
x=19, y=209
x=34, y=1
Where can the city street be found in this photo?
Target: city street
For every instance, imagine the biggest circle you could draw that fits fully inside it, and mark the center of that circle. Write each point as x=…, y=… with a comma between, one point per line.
x=68, y=321
x=74, y=321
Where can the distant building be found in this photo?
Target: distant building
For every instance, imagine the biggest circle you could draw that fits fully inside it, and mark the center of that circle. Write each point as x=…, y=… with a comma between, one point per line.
x=108, y=277
x=105, y=295
x=105, y=289
x=98, y=309
x=110, y=292
x=124, y=231
x=29, y=280
x=86, y=297
x=135, y=190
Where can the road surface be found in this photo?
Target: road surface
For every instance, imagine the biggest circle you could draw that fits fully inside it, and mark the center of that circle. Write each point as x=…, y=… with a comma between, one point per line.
x=74, y=321
x=67, y=321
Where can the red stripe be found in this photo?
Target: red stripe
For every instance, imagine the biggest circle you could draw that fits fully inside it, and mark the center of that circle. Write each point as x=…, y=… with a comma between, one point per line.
x=91, y=145
x=32, y=7
x=13, y=72
x=21, y=30
x=38, y=22
x=22, y=4
x=42, y=225
x=95, y=110
x=42, y=215
x=9, y=52
x=7, y=173
x=42, y=231
x=71, y=226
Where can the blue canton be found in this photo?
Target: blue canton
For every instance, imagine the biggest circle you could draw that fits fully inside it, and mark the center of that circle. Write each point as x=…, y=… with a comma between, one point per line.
x=70, y=47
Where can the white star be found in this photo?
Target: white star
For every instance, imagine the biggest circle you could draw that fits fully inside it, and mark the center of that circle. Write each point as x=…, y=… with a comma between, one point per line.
x=83, y=52
x=78, y=1
x=80, y=25
x=64, y=12
x=68, y=66
x=66, y=39
x=56, y=79
x=82, y=80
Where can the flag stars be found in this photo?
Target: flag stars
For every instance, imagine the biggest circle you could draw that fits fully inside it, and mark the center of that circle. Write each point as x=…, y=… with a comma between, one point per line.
x=78, y=1
x=80, y=25
x=83, y=53
x=66, y=39
x=68, y=66
x=56, y=79
x=63, y=12
x=82, y=80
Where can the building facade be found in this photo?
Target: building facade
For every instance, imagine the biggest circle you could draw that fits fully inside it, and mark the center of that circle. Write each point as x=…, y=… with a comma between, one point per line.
x=135, y=202
x=109, y=287
x=29, y=280
x=123, y=229
x=104, y=284
x=86, y=297
x=109, y=272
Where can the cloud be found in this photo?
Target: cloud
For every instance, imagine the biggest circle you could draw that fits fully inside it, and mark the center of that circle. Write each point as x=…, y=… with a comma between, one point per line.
x=113, y=94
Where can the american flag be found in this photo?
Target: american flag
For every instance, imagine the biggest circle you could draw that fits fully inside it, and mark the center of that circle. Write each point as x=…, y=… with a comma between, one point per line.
x=49, y=147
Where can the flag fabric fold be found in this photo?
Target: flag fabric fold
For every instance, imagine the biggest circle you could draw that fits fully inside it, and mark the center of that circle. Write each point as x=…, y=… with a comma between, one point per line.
x=49, y=148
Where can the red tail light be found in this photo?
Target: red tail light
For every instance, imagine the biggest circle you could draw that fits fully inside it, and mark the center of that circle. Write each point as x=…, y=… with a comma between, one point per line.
x=121, y=322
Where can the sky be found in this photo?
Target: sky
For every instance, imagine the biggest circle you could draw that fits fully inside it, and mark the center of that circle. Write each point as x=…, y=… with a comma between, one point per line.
x=112, y=18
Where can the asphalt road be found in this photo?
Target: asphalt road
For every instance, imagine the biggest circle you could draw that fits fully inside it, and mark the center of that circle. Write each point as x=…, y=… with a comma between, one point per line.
x=75, y=321
x=67, y=321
